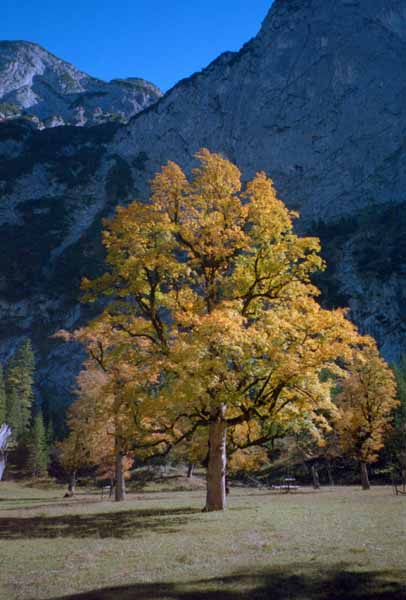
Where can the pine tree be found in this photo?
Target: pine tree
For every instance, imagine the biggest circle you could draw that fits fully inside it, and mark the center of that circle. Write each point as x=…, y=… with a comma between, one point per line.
x=50, y=433
x=19, y=388
x=2, y=398
x=13, y=413
x=37, y=446
x=397, y=437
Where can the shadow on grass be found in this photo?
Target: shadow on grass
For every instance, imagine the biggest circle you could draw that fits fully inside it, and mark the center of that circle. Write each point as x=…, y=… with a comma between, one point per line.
x=27, y=500
x=296, y=582
x=100, y=525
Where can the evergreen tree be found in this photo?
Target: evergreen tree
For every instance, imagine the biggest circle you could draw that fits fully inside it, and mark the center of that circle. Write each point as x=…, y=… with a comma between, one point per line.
x=50, y=433
x=2, y=398
x=397, y=437
x=19, y=388
x=13, y=413
x=37, y=446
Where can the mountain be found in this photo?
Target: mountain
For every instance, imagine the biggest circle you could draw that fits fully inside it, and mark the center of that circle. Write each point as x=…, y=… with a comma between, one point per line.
x=316, y=100
x=52, y=92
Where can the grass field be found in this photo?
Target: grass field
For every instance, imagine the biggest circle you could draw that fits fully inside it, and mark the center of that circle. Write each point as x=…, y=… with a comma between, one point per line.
x=333, y=544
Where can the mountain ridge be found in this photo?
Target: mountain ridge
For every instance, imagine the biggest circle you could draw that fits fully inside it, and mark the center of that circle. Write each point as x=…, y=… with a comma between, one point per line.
x=316, y=100
x=40, y=86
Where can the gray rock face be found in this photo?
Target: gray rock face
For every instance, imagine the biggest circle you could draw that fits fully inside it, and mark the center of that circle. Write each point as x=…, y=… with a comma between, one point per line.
x=53, y=92
x=316, y=100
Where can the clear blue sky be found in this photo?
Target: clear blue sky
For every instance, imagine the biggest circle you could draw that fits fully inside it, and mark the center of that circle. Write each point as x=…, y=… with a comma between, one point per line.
x=160, y=40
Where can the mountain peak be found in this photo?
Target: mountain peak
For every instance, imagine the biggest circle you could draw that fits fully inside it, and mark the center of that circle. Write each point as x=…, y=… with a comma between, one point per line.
x=316, y=100
x=286, y=14
x=38, y=85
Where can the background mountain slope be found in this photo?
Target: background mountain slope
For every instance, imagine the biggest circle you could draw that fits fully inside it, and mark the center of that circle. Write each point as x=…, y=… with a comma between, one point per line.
x=316, y=100
x=53, y=92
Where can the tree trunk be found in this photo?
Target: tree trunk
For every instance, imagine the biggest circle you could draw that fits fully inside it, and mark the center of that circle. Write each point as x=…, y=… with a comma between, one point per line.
x=316, y=480
x=330, y=473
x=5, y=434
x=403, y=473
x=216, y=470
x=120, y=481
x=3, y=463
x=364, y=476
x=72, y=484
x=190, y=470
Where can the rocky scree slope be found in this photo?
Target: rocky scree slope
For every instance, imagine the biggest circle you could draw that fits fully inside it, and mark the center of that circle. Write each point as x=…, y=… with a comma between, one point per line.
x=316, y=100
x=51, y=92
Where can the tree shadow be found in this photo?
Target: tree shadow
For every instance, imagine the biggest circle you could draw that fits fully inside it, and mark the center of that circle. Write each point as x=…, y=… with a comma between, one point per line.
x=293, y=582
x=100, y=525
x=31, y=499
x=54, y=502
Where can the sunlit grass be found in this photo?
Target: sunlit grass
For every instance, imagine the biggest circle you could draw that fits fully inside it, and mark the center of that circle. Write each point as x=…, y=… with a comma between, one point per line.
x=160, y=545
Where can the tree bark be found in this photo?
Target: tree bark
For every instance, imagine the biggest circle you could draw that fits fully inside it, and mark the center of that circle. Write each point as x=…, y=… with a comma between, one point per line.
x=316, y=480
x=330, y=473
x=190, y=469
x=216, y=470
x=3, y=463
x=119, y=495
x=364, y=476
x=5, y=434
x=72, y=484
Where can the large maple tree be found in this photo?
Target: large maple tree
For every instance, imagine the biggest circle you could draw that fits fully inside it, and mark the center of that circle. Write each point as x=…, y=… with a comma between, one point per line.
x=210, y=289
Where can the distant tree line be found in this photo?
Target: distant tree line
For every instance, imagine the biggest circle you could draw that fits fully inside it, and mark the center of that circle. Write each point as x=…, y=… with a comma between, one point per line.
x=29, y=445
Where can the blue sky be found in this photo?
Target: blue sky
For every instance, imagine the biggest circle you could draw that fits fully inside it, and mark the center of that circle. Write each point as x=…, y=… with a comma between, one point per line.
x=160, y=40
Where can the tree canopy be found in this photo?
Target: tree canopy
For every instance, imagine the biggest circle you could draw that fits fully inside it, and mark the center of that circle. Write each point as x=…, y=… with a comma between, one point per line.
x=212, y=318
x=366, y=401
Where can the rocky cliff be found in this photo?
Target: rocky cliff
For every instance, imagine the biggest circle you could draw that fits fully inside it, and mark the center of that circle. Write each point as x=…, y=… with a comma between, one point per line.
x=316, y=99
x=51, y=92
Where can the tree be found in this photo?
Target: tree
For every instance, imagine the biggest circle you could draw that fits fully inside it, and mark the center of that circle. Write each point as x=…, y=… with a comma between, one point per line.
x=50, y=432
x=71, y=457
x=366, y=403
x=5, y=433
x=397, y=436
x=98, y=422
x=78, y=449
x=13, y=416
x=209, y=284
x=19, y=389
x=38, y=453
x=3, y=399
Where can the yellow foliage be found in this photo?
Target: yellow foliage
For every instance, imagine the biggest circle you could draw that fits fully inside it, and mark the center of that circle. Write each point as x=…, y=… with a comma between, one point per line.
x=248, y=459
x=212, y=312
x=366, y=403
